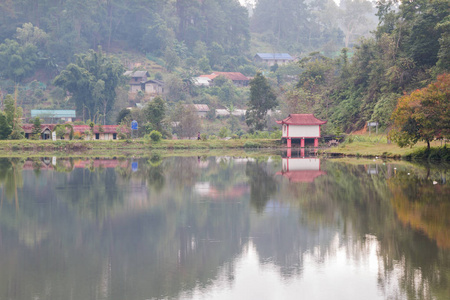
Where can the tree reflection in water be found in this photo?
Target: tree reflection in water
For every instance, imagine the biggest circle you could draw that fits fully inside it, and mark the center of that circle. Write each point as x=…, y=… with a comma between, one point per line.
x=96, y=229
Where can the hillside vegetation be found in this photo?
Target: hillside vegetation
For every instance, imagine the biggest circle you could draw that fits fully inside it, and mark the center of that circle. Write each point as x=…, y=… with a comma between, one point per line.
x=344, y=74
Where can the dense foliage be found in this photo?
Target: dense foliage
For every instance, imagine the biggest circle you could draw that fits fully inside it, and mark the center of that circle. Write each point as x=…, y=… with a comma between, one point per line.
x=409, y=49
x=92, y=81
x=424, y=114
x=150, y=26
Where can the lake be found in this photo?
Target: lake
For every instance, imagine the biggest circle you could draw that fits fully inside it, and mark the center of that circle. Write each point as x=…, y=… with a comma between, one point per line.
x=269, y=227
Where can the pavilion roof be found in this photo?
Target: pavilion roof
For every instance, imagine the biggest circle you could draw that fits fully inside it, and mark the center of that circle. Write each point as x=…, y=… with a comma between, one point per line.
x=301, y=119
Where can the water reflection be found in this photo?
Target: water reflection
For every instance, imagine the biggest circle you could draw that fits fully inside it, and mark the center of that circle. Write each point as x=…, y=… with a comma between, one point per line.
x=222, y=227
x=301, y=169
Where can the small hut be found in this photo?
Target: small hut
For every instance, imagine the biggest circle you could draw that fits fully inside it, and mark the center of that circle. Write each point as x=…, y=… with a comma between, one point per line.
x=301, y=126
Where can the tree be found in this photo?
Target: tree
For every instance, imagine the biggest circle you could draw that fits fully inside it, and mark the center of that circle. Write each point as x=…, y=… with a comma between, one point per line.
x=92, y=81
x=5, y=128
x=10, y=109
x=31, y=35
x=262, y=99
x=124, y=115
x=13, y=117
x=155, y=113
x=187, y=119
x=17, y=61
x=36, y=131
x=423, y=115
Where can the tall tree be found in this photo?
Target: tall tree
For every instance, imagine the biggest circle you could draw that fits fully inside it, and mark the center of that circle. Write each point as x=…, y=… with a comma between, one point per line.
x=187, y=119
x=5, y=128
x=36, y=131
x=156, y=112
x=13, y=116
x=262, y=99
x=92, y=82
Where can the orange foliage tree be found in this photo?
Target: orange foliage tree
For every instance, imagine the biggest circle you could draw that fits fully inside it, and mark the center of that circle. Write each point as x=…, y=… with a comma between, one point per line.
x=423, y=115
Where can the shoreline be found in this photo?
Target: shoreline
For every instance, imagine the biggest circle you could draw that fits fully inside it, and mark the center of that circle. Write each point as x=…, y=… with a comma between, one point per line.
x=142, y=147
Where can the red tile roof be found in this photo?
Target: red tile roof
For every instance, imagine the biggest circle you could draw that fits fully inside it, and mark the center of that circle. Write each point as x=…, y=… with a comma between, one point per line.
x=106, y=128
x=28, y=128
x=301, y=119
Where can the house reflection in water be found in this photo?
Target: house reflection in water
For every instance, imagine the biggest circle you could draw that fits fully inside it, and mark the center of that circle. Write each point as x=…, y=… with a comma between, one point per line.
x=301, y=169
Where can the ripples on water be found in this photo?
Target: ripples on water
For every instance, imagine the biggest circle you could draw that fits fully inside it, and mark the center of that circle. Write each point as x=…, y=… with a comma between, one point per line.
x=223, y=228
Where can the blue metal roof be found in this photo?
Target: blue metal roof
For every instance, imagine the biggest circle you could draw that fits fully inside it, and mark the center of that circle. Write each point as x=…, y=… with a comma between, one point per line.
x=285, y=56
x=49, y=113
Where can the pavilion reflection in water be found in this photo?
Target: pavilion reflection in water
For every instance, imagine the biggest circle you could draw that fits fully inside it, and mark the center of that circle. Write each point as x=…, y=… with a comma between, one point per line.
x=300, y=168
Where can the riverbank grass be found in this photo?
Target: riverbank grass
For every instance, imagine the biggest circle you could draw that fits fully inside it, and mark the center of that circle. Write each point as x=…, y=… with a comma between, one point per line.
x=134, y=144
x=377, y=145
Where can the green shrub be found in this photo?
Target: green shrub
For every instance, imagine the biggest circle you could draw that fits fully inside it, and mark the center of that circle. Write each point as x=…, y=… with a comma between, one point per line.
x=203, y=136
x=155, y=135
x=223, y=132
x=276, y=134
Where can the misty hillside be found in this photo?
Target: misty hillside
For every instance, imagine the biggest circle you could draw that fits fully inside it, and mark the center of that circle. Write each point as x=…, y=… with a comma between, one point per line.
x=350, y=71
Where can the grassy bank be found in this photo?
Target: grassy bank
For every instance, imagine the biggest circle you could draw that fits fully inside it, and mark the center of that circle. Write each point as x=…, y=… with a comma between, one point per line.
x=377, y=145
x=132, y=145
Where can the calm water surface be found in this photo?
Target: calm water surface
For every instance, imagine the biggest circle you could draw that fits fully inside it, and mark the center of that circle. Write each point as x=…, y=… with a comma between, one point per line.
x=223, y=228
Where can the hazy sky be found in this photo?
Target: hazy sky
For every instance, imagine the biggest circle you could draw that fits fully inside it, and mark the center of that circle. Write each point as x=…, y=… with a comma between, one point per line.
x=244, y=1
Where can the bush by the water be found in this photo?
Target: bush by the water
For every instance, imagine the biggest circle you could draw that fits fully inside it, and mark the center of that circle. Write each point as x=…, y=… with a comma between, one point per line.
x=251, y=144
x=438, y=153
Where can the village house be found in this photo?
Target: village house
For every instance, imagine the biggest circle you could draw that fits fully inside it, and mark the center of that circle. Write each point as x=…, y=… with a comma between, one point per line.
x=137, y=78
x=139, y=82
x=100, y=132
x=237, y=78
x=301, y=127
x=271, y=59
x=222, y=112
x=45, y=132
x=153, y=87
x=201, y=109
x=202, y=81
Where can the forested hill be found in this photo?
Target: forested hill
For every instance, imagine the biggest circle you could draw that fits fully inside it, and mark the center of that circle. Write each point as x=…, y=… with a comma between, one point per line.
x=216, y=29
x=351, y=78
x=148, y=26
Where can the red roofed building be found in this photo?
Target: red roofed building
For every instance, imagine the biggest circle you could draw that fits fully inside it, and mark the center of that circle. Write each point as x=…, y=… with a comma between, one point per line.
x=236, y=77
x=46, y=130
x=103, y=132
x=301, y=126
